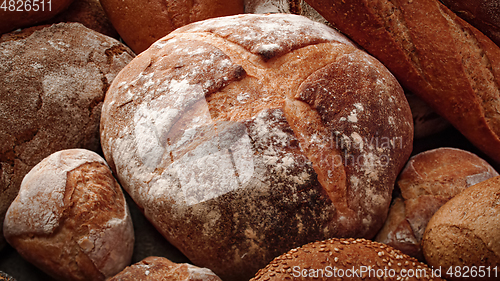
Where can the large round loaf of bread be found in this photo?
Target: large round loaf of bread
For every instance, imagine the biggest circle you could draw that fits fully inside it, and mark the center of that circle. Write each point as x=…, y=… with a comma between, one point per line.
x=242, y=137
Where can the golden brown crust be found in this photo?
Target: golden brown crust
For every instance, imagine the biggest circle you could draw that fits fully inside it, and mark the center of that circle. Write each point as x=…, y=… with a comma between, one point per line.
x=141, y=25
x=435, y=54
x=241, y=125
x=159, y=268
x=345, y=259
x=464, y=232
x=76, y=225
x=427, y=182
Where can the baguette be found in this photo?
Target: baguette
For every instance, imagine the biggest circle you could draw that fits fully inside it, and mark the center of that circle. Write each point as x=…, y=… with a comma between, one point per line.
x=435, y=54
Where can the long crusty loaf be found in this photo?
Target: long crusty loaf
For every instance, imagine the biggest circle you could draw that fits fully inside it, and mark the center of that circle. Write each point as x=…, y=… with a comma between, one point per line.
x=435, y=54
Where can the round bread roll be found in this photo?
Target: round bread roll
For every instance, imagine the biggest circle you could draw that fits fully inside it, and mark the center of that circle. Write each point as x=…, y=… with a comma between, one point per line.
x=17, y=14
x=140, y=24
x=52, y=84
x=462, y=236
x=346, y=259
x=242, y=137
x=159, y=268
x=70, y=218
x=428, y=181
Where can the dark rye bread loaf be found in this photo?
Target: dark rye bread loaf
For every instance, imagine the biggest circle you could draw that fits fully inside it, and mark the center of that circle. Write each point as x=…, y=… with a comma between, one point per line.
x=242, y=137
x=435, y=54
x=52, y=86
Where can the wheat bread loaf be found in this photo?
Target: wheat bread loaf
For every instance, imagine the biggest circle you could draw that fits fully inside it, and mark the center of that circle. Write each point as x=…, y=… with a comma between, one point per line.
x=70, y=218
x=462, y=236
x=428, y=181
x=435, y=54
x=242, y=137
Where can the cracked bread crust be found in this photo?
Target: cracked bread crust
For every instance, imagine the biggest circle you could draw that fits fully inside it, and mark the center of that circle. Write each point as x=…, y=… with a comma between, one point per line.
x=52, y=83
x=70, y=218
x=435, y=54
x=244, y=136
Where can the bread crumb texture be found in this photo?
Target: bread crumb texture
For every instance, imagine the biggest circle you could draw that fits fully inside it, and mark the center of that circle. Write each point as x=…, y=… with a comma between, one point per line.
x=249, y=135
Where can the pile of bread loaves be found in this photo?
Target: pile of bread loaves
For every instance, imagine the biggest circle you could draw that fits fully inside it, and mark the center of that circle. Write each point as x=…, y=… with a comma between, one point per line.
x=263, y=140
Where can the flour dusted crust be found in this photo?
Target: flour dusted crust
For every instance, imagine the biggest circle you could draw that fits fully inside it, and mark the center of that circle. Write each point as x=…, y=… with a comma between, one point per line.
x=70, y=218
x=52, y=83
x=159, y=268
x=239, y=137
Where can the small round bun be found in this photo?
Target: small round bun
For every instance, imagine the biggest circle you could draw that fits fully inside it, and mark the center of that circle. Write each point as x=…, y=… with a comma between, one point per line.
x=159, y=268
x=345, y=259
x=70, y=218
x=464, y=232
